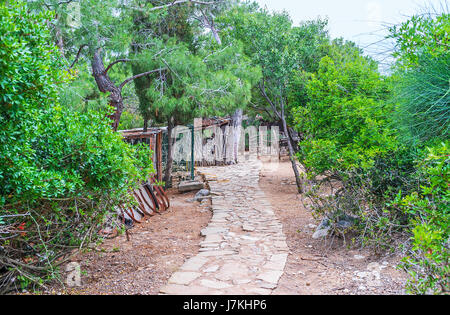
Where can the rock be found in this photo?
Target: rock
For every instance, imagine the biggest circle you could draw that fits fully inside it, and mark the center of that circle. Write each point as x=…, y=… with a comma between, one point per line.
x=321, y=233
x=248, y=228
x=344, y=225
x=213, y=230
x=359, y=257
x=201, y=195
x=212, y=268
x=324, y=224
x=190, y=185
x=346, y=221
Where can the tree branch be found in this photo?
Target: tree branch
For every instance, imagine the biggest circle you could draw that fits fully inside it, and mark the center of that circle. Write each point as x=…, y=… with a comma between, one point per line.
x=57, y=4
x=210, y=25
x=262, y=89
x=138, y=76
x=78, y=55
x=183, y=1
x=114, y=62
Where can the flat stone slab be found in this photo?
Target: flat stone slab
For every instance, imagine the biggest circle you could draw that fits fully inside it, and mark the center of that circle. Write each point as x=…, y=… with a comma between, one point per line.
x=271, y=276
x=213, y=230
x=194, y=263
x=183, y=277
x=190, y=186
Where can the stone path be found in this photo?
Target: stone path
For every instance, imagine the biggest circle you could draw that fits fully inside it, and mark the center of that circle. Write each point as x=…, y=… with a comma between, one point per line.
x=244, y=250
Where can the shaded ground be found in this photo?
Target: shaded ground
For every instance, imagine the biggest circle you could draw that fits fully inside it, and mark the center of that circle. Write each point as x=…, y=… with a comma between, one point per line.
x=156, y=249
x=322, y=266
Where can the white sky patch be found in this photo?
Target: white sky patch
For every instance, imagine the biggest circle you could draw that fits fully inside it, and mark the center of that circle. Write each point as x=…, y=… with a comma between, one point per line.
x=374, y=14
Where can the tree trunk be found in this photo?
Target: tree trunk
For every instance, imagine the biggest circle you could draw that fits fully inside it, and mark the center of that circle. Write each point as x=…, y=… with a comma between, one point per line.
x=169, y=164
x=106, y=85
x=236, y=125
x=145, y=125
x=291, y=153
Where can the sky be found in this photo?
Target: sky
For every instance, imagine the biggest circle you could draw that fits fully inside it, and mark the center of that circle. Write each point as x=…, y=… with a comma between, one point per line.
x=361, y=21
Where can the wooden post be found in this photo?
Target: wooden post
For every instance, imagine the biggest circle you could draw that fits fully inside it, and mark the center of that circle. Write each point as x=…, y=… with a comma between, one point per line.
x=159, y=155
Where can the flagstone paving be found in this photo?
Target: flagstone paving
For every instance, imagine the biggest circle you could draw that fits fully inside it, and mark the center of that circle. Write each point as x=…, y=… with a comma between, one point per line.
x=244, y=250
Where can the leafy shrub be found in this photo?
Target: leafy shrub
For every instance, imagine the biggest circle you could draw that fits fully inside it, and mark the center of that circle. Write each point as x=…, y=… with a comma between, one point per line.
x=429, y=209
x=344, y=121
x=61, y=171
x=353, y=159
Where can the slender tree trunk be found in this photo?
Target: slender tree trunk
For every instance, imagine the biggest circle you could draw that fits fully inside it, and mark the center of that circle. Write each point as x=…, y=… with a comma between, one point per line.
x=236, y=124
x=291, y=152
x=105, y=85
x=169, y=164
x=145, y=124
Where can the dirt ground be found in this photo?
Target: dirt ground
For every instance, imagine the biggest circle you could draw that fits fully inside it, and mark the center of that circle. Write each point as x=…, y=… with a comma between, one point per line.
x=322, y=266
x=157, y=248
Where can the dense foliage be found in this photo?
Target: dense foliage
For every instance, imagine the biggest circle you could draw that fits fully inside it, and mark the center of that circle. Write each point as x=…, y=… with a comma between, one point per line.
x=61, y=171
x=375, y=148
x=429, y=209
x=344, y=120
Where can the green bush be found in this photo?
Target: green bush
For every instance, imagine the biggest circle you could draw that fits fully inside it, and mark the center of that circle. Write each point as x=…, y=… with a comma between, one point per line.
x=429, y=209
x=61, y=171
x=344, y=122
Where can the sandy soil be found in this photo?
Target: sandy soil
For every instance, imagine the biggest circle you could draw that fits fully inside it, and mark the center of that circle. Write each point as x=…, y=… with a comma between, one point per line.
x=156, y=249
x=322, y=266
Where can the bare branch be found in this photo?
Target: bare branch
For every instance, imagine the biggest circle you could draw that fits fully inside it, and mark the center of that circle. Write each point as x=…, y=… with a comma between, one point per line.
x=183, y=1
x=138, y=76
x=262, y=89
x=210, y=25
x=57, y=4
x=114, y=62
x=78, y=55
